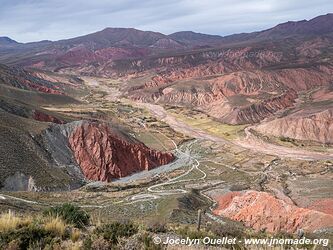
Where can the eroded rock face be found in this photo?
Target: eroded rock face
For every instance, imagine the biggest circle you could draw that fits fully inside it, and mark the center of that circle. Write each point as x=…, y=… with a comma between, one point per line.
x=19, y=78
x=256, y=112
x=104, y=153
x=241, y=97
x=262, y=211
x=314, y=126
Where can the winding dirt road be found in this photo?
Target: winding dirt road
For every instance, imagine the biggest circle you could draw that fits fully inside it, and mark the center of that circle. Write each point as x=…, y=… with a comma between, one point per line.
x=249, y=142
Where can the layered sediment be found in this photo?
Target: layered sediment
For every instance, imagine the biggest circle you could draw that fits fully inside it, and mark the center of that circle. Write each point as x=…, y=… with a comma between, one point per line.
x=263, y=211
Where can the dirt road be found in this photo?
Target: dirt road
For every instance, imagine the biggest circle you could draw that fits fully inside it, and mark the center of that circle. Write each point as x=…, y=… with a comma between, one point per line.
x=249, y=142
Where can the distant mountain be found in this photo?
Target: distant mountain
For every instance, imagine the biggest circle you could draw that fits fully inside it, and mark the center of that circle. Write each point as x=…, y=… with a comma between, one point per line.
x=316, y=26
x=4, y=40
x=190, y=38
x=113, y=44
x=110, y=37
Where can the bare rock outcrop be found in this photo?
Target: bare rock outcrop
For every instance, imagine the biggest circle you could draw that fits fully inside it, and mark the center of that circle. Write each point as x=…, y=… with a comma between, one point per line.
x=256, y=112
x=263, y=211
x=313, y=126
x=105, y=153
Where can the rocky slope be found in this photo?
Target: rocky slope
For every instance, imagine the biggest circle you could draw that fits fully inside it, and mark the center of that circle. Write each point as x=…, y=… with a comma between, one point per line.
x=239, y=79
x=312, y=126
x=22, y=79
x=239, y=97
x=258, y=111
x=262, y=211
x=45, y=150
x=104, y=153
x=64, y=156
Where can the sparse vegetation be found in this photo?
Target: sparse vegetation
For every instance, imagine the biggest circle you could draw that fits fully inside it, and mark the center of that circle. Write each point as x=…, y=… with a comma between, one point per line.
x=148, y=242
x=69, y=213
x=29, y=236
x=9, y=221
x=231, y=229
x=56, y=226
x=75, y=235
x=286, y=139
x=202, y=121
x=112, y=232
x=40, y=232
x=156, y=227
x=193, y=233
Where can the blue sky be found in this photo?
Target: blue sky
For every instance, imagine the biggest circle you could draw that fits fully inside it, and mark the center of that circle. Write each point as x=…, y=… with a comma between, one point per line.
x=34, y=20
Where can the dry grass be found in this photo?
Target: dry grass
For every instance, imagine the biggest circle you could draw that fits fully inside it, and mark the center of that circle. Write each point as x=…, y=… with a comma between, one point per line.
x=75, y=235
x=75, y=246
x=55, y=225
x=9, y=221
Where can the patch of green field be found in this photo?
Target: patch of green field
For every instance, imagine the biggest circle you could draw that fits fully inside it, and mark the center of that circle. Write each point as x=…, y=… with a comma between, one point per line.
x=207, y=124
x=155, y=141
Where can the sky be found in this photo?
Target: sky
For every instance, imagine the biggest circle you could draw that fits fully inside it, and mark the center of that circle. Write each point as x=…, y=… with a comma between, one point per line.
x=35, y=20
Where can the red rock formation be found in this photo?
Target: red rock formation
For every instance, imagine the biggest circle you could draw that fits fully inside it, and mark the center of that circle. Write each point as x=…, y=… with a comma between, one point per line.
x=261, y=210
x=104, y=153
x=44, y=89
x=251, y=95
x=23, y=79
x=40, y=116
x=322, y=205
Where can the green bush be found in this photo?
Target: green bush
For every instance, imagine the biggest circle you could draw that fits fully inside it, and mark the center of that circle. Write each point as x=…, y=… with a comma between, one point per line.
x=26, y=237
x=70, y=214
x=113, y=231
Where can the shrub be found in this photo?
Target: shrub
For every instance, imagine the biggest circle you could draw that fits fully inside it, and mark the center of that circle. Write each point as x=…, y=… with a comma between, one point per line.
x=113, y=231
x=100, y=244
x=148, y=242
x=55, y=226
x=156, y=227
x=13, y=245
x=192, y=234
x=87, y=243
x=27, y=236
x=70, y=214
x=228, y=229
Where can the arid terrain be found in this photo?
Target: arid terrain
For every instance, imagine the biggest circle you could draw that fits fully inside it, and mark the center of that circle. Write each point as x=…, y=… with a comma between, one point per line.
x=138, y=125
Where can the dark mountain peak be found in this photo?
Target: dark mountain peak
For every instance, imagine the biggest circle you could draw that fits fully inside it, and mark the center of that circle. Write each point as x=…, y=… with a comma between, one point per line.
x=109, y=37
x=316, y=26
x=328, y=16
x=193, y=35
x=190, y=37
x=116, y=29
x=290, y=24
x=4, y=40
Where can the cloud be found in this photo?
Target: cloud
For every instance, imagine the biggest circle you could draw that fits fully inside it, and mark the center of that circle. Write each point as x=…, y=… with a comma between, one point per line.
x=32, y=20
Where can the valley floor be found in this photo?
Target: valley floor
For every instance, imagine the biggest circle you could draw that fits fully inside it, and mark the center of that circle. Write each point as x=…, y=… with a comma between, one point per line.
x=207, y=167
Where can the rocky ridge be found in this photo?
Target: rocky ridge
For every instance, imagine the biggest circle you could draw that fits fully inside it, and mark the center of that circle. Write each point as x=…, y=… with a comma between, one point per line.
x=314, y=126
x=262, y=211
x=105, y=154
